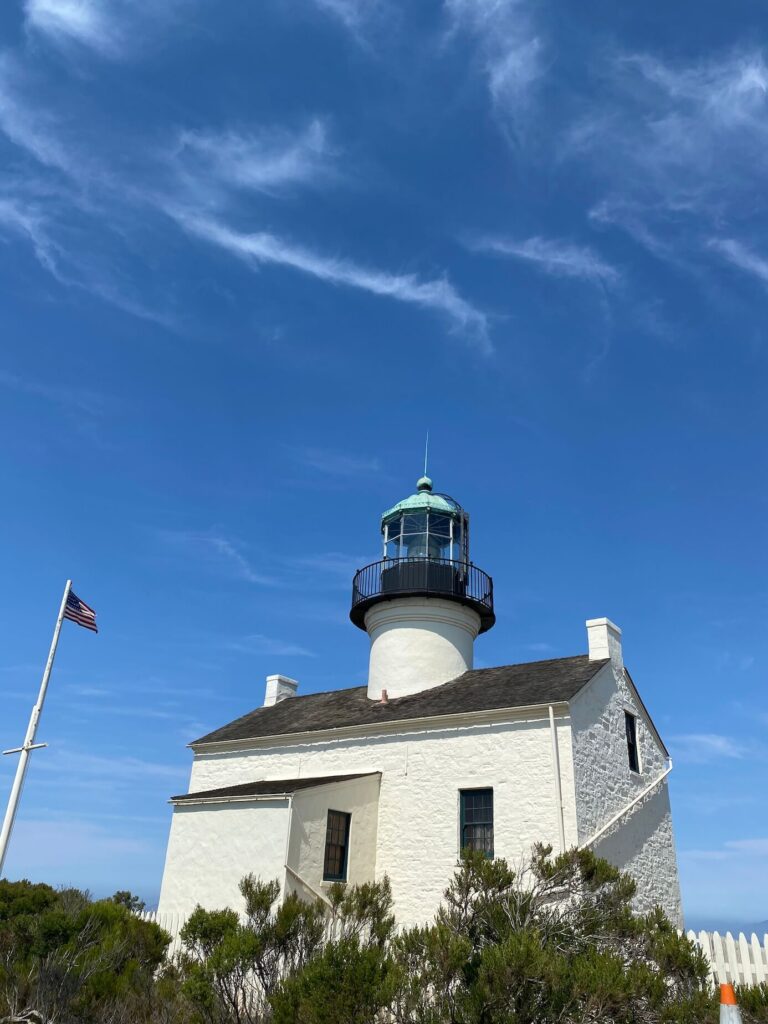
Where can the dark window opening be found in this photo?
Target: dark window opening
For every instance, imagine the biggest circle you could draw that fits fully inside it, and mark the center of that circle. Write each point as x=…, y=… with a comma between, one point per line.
x=336, y=847
x=476, y=820
x=630, y=724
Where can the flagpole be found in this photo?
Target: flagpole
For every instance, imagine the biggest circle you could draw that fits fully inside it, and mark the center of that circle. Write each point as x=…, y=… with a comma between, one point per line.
x=29, y=739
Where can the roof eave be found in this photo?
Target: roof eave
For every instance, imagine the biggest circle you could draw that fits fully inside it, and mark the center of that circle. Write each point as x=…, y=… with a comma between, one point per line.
x=208, y=797
x=190, y=801
x=647, y=713
x=462, y=719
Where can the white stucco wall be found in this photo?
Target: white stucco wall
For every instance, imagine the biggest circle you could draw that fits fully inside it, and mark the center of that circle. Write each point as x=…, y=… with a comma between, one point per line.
x=643, y=842
x=212, y=846
x=422, y=773
x=417, y=643
x=309, y=819
x=644, y=846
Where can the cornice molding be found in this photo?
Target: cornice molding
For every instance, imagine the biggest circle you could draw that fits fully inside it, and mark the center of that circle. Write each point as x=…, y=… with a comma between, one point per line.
x=370, y=730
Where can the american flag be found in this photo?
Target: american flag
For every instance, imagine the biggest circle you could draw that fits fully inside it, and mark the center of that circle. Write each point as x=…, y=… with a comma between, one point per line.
x=79, y=612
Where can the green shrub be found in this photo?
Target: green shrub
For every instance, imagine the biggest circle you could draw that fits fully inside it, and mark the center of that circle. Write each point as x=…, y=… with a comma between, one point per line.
x=554, y=943
x=70, y=958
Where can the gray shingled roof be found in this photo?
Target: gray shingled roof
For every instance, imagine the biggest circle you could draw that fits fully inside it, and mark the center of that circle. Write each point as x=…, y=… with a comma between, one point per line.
x=273, y=787
x=482, y=689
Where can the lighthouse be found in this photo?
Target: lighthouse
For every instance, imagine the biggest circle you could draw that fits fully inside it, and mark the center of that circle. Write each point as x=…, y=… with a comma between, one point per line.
x=423, y=603
x=399, y=774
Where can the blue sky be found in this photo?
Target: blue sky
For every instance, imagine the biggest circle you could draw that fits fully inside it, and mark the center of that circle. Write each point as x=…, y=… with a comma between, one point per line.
x=251, y=252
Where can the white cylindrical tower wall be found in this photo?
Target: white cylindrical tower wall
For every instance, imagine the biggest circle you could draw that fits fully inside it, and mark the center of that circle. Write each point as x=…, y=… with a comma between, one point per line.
x=418, y=643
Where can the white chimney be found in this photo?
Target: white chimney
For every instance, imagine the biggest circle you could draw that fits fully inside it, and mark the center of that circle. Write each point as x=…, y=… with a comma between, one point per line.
x=278, y=688
x=604, y=638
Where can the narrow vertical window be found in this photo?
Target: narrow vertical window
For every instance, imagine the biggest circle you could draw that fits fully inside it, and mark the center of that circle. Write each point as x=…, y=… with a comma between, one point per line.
x=630, y=724
x=336, y=847
x=476, y=820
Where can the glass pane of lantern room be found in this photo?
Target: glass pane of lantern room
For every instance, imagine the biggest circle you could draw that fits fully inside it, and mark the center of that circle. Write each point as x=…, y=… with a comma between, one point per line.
x=392, y=546
x=439, y=535
x=415, y=542
x=415, y=522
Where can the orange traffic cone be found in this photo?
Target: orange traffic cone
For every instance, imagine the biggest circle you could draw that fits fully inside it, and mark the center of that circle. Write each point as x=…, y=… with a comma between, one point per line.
x=729, y=1008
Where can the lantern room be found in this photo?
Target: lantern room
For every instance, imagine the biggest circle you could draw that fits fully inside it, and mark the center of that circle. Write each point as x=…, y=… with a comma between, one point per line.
x=425, y=542
x=426, y=525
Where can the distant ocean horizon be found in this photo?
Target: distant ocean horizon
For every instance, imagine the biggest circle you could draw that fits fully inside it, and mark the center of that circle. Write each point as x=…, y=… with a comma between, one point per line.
x=702, y=923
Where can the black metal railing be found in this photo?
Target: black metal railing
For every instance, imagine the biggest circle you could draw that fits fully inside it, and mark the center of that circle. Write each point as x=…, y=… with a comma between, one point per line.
x=425, y=577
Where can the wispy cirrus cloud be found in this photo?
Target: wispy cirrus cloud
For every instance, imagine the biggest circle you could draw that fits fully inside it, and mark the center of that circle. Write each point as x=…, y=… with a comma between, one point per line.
x=110, y=29
x=76, y=399
x=178, y=188
x=336, y=463
x=79, y=768
x=329, y=563
x=674, y=131
x=63, y=198
x=756, y=847
x=265, y=160
x=227, y=557
x=243, y=568
x=701, y=748
x=91, y=23
x=221, y=553
x=20, y=218
x=555, y=257
x=70, y=266
x=28, y=126
x=437, y=295
x=739, y=255
x=649, y=226
x=510, y=50
x=681, y=150
x=354, y=15
x=258, y=643
x=731, y=850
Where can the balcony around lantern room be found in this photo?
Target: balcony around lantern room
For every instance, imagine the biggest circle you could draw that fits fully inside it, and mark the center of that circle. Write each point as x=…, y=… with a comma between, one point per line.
x=423, y=576
x=426, y=554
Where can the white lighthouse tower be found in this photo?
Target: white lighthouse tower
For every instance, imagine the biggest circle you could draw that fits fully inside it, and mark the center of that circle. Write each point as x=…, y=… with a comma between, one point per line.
x=424, y=603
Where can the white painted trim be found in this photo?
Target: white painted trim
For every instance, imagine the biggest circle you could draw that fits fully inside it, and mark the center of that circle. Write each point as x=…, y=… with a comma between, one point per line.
x=306, y=884
x=273, y=796
x=603, y=621
x=557, y=780
x=288, y=843
x=640, y=796
x=259, y=798
x=466, y=719
x=645, y=712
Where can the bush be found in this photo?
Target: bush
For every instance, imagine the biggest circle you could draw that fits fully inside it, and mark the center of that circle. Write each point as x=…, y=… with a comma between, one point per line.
x=556, y=942
x=72, y=959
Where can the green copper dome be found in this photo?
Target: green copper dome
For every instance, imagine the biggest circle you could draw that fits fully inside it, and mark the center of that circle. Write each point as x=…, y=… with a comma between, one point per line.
x=424, y=500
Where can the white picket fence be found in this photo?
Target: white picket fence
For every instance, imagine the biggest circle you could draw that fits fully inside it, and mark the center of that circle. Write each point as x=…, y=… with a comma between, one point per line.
x=172, y=923
x=741, y=960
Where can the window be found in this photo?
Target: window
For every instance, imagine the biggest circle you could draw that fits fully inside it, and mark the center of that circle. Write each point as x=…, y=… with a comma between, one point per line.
x=336, y=847
x=476, y=820
x=630, y=724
